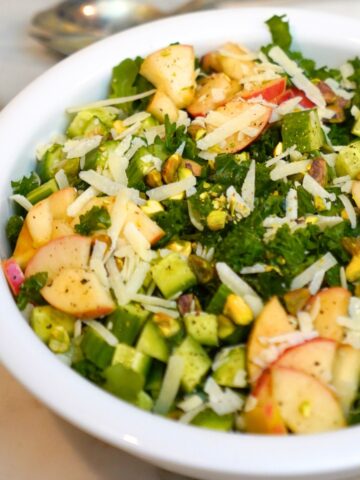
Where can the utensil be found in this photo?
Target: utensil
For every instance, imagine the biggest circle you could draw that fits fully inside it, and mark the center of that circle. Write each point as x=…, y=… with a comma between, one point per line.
x=74, y=24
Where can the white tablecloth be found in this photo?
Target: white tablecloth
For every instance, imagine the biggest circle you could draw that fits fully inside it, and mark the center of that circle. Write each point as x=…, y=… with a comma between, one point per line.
x=34, y=443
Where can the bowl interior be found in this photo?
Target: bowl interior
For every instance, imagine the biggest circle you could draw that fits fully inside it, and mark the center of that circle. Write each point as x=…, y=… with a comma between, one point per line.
x=38, y=113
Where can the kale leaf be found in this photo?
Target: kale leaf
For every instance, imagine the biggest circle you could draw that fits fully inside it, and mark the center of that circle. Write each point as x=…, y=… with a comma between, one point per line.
x=126, y=80
x=263, y=148
x=280, y=31
x=97, y=218
x=13, y=227
x=30, y=290
x=26, y=184
x=174, y=220
x=90, y=371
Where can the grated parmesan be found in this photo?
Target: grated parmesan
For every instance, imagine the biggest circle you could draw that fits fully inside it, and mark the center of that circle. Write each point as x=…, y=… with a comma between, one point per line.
x=79, y=147
x=22, y=201
x=104, y=333
x=324, y=263
x=170, y=384
x=135, y=118
x=315, y=189
x=111, y=101
x=97, y=262
x=286, y=169
x=137, y=240
x=248, y=187
x=166, y=191
x=291, y=204
x=316, y=282
x=80, y=202
x=61, y=179
x=222, y=402
x=349, y=210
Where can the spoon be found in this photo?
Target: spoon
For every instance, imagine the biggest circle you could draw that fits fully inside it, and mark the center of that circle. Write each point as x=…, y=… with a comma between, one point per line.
x=74, y=24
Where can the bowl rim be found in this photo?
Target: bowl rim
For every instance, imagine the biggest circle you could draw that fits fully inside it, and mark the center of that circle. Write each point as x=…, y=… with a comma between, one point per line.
x=120, y=424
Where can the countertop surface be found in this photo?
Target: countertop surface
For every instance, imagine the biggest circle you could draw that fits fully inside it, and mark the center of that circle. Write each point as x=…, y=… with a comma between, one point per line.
x=35, y=443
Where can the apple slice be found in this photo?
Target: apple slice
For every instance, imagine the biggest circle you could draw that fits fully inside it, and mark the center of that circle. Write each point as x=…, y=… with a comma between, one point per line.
x=60, y=201
x=292, y=93
x=79, y=293
x=24, y=249
x=213, y=92
x=172, y=71
x=230, y=59
x=256, y=121
x=314, y=357
x=14, y=275
x=161, y=105
x=150, y=229
x=272, y=321
x=268, y=91
x=72, y=251
x=346, y=375
x=334, y=302
x=306, y=405
x=61, y=228
x=39, y=223
x=265, y=416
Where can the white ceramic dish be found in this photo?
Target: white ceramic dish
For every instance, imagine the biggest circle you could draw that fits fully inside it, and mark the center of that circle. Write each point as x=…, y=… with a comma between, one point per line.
x=37, y=113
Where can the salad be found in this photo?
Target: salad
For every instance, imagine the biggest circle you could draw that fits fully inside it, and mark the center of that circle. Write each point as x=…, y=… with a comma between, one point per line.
x=191, y=244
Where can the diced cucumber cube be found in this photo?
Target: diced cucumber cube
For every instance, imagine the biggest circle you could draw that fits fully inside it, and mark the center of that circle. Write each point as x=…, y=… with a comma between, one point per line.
x=173, y=275
x=126, y=322
x=98, y=158
x=151, y=342
x=144, y=401
x=131, y=358
x=203, y=328
x=55, y=160
x=217, y=302
x=348, y=160
x=302, y=129
x=123, y=382
x=196, y=363
x=95, y=121
x=44, y=319
x=209, y=419
x=230, y=371
x=96, y=349
x=155, y=378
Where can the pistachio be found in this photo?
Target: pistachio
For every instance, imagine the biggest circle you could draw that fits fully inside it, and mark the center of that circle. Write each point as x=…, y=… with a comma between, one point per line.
x=170, y=168
x=319, y=171
x=216, y=220
x=180, y=246
x=238, y=310
x=59, y=339
x=203, y=270
x=278, y=149
x=188, y=303
x=151, y=207
x=296, y=300
x=351, y=245
x=168, y=326
x=153, y=179
x=353, y=269
x=194, y=167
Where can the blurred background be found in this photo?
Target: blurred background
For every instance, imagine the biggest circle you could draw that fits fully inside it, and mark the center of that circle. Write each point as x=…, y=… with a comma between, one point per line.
x=34, y=443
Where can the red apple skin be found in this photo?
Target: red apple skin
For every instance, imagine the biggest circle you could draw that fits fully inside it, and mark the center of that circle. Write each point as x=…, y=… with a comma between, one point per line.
x=14, y=275
x=265, y=417
x=292, y=93
x=269, y=91
x=314, y=357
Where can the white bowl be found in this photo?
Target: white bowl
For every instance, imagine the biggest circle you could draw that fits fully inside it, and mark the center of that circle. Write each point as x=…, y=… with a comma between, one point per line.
x=37, y=113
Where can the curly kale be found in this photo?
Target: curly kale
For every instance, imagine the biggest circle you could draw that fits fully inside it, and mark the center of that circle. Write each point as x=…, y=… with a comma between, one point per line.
x=97, y=218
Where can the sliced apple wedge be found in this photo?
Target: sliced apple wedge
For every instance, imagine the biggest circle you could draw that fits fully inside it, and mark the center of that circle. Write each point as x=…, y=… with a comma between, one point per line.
x=161, y=105
x=79, y=293
x=150, y=229
x=14, y=275
x=306, y=405
x=39, y=222
x=213, y=92
x=265, y=416
x=230, y=59
x=268, y=91
x=61, y=228
x=60, y=201
x=24, y=249
x=346, y=375
x=72, y=251
x=272, y=321
x=172, y=71
x=314, y=357
x=247, y=120
x=334, y=302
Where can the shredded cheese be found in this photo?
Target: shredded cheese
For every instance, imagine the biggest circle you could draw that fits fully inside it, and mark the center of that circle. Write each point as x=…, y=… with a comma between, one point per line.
x=61, y=179
x=22, y=201
x=166, y=191
x=80, y=202
x=248, y=187
x=111, y=101
x=292, y=204
x=286, y=169
x=135, y=118
x=349, y=210
x=137, y=240
x=315, y=189
x=118, y=217
x=78, y=147
x=97, y=262
x=170, y=385
x=324, y=263
x=100, y=182
x=104, y=333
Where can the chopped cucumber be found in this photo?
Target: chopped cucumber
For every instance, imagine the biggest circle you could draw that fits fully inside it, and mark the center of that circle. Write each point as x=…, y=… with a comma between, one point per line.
x=123, y=382
x=98, y=158
x=302, y=129
x=43, y=191
x=131, y=358
x=203, y=328
x=356, y=128
x=209, y=419
x=196, y=363
x=217, y=302
x=55, y=160
x=95, y=121
x=348, y=160
x=231, y=367
x=173, y=275
x=144, y=401
x=44, y=319
x=126, y=322
x=155, y=378
x=151, y=342
x=96, y=349
x=139, y=168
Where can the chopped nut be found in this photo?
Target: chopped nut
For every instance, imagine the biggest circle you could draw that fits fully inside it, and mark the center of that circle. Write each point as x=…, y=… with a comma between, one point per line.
x=296, y=300
x=170, y=168
x=168, y=326
x=353, y=269
x=151, y=207
x=203, y=270
x=318, y=170
x=238, y=310
x=180, y=246
x=153, y=179
x=278, y=150
x=216, y=220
